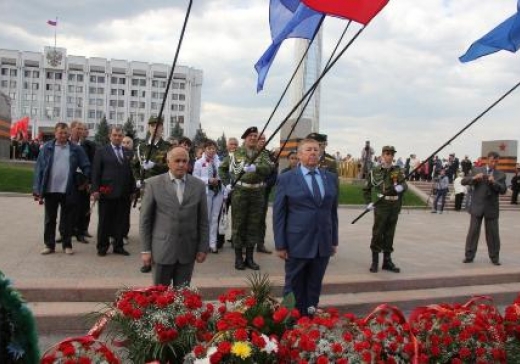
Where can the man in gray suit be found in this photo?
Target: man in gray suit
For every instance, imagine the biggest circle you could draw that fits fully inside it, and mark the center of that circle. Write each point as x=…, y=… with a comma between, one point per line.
x=487, y=183
x=174, y=222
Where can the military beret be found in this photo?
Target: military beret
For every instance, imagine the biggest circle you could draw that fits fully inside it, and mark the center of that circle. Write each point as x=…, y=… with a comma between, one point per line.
x=389, y=148
x=251, y=129
x=320, y=138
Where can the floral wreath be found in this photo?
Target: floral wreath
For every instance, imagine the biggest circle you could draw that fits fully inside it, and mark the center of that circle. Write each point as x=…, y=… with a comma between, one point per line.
x=17, y=326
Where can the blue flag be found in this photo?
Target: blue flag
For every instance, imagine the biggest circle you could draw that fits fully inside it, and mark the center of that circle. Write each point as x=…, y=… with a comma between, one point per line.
x=506, y=36
x=287, y=19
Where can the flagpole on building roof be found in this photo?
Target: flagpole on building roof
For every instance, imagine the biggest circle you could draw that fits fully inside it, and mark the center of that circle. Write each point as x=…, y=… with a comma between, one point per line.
x=447, y=143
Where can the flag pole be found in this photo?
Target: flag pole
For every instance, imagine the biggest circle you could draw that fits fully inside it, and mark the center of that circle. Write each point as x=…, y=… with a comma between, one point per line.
x=165, y=96
x=55, y=33
x=292, y=77
x=312, y=94
x=302, y=99
x=447, y=143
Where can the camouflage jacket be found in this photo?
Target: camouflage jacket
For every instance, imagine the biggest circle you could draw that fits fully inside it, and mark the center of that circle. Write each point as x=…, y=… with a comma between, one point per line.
x=232, y=166
x=328, y=162
x=158, y=156
x=383, y=180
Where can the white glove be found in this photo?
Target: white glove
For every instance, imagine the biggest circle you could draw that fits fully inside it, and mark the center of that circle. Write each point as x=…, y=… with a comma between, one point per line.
x=148, y=165
x=138, y=184
x=250, y=168
x=370, y=206
x=398, y=188
x=227, y=191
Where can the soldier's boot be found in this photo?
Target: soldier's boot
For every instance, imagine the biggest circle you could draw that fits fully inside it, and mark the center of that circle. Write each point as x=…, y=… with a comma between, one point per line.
x=375, y=262
x=239, y=259
x=250, y=263
x=388, y=264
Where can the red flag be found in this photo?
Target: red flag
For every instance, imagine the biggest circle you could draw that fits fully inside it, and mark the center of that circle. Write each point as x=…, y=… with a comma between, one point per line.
x=360, y=11
x=22, y=125
x=52, y=22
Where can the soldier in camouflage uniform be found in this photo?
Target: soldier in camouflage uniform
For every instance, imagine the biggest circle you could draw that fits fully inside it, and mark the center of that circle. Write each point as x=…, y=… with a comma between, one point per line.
x=248, y=199
x=157, y=164
x=327, y=161
x=389, y=183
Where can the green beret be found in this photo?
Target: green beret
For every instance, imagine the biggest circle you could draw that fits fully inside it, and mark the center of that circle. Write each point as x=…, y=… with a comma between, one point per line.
x=252, y=129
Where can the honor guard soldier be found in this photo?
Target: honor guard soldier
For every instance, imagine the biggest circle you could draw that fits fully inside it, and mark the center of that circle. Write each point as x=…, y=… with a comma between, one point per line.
x=157, y=164
x=248, y=200
x=327, y=161
x=389, y=183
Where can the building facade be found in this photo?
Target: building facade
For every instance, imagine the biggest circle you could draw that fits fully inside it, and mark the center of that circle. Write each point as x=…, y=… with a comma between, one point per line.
x=52, y=86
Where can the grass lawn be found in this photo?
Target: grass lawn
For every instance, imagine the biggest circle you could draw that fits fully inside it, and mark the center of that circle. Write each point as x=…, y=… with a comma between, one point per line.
x=16, y=177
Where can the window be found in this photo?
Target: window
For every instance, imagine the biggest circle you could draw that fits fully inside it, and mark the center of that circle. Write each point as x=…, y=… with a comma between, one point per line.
x=80, y=101
x=92, y=114
x=27, y=74
x=99, y=102
x=142, y=82
x=112, y=115
x=70, y=100
x=141, y=119
x=155, y=83
x=113, y=91
x=50, y=75
x=163, y=84
x=92, y=102
x=101, y=91
x=36, y=74
x=142, y=105
x=92, y=79
x=122, y=81
x=155, y=95
x=175, y=85
x=181, y=107
x=135, y=82
x=5, y=71
x=121, y=103
x=120, y=116
x=143, y=93
x=133, y=93
x=35, y=86
x=71, y=88
x=101, y=79
x=99, y=114
x=12, y=95
x=57, y=112
x=153, y=106
x=133, y=103
x=70, y=113
x=175, y=107
x=182, y=97
x=113, y=80
x=25, y=85
x=112, y=103
x=175, y=96
x=4, y=83
x=58, y=76
x=71, y=77
x=13, y=72
x=180, y=119
x=77, y=113
x=80, y=78
x=91, y=90
x=183, y=86
x=12, y=84
x=57, y=88
x=79, y=89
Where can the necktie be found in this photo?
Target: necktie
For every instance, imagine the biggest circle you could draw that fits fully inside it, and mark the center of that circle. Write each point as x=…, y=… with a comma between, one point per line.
x=179, y=184
x=118, y=154
x=315, y=188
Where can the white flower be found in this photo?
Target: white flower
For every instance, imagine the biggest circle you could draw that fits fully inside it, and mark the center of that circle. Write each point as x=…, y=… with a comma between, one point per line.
x=270, y=345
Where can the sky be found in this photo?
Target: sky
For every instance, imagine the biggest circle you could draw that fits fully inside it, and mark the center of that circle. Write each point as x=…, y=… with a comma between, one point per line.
x=400, y=83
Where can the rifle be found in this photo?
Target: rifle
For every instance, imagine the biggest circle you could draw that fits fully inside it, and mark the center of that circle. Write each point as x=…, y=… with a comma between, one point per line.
x=165, y=98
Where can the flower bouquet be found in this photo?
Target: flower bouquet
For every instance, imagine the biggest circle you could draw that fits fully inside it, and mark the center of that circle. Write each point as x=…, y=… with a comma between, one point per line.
x=470, y=333
x=512, y=326
x=327, y=338
x=392, y=340
x=82, y=350
x=160, y=323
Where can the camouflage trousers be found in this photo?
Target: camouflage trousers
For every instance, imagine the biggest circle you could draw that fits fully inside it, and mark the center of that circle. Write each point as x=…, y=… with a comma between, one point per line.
x=247, y=212
x=386, y=214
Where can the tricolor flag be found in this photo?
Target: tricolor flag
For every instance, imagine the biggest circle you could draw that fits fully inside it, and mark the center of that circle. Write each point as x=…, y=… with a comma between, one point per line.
x=287, y=19
x=52, y=22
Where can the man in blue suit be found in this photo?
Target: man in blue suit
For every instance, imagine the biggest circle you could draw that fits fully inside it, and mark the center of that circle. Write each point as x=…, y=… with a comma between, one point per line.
x=305, y=223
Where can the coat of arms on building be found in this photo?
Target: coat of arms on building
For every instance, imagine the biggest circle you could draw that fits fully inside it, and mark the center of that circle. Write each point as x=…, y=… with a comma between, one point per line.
x=54, y=57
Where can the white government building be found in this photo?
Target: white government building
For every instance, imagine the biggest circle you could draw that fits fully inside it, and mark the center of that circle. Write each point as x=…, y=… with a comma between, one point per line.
x=53, y=86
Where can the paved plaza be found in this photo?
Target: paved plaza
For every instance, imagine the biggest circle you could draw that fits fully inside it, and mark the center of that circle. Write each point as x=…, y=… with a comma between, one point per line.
x=426, y=245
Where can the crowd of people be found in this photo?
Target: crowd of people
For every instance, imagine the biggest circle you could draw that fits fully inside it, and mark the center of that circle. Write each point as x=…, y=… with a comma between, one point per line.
x=189, y=194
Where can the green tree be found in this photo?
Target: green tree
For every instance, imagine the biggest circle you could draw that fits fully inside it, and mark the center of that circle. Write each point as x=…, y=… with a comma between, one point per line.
x=200, y=136
x=221, y=144
x=101, y=137
x=177, y=132
x=129, y=128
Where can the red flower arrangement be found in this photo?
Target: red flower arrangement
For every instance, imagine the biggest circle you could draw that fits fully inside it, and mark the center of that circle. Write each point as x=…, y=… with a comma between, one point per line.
x=161, y=321
x=470, y=333
x=105, y=189
x=512, y=319
x=82, y=350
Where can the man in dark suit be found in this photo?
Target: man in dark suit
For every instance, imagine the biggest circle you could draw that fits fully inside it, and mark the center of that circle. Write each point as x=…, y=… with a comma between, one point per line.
x=112, y=185
x=173, y=224
x=487, y=183
x=305, y=223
